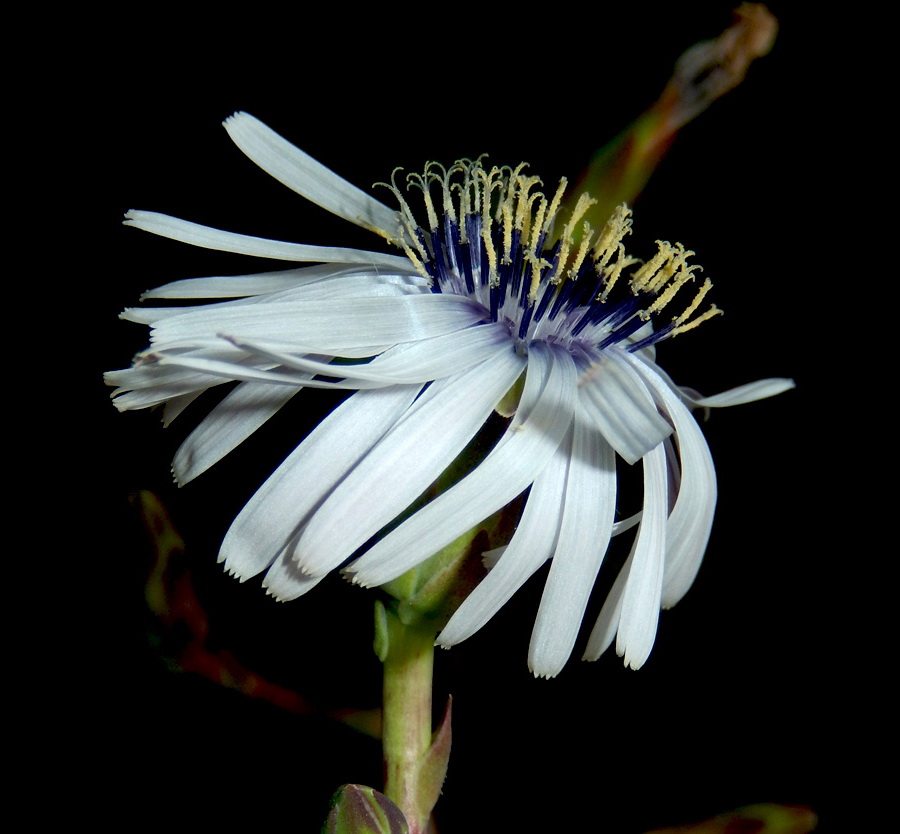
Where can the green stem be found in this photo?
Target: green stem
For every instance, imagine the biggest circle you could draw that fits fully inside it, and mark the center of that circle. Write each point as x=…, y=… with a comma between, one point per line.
x=407, y=718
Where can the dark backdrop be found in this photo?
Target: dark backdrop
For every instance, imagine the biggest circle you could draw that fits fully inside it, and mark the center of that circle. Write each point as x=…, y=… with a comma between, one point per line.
x=742, y=699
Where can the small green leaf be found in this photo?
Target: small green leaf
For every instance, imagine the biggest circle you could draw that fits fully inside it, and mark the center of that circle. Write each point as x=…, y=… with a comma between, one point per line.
x=356, y=809
x=382, y=639
x=433, y=766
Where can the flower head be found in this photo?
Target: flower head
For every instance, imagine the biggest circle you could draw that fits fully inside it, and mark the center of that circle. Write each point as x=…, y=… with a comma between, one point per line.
x=497, y=299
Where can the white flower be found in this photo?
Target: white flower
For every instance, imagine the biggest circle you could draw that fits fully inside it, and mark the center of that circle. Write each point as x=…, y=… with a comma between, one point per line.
x=494, y=288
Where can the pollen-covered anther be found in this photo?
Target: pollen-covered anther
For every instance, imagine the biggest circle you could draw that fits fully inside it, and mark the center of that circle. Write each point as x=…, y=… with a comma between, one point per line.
x=609, y=241
x=683, y=274
x=554, y=205
x=656, y=271
x=611, y=276
x=507, y=233
x=525, y=200
x=420, y=181
x=585, y=201
x=492, y=182
x=408, y=237
x=502, y=240
x=682, y=325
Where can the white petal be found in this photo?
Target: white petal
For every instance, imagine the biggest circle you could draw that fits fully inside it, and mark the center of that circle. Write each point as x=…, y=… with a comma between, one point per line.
x=490, y=557
x=207, y=237
x=264, y=283
x=643, y=589
x=150, y=376
x=191, y=384
x=619, y=404
x=604, y=630
x=406, y=461
x=421, y=361
x=284, y=502
x=530, y=546
x=691, y=518
x=541, y=422
x=232, y=421
x=625, y=524
x=326, y=326
x=229, y=371
x=176, y=405
x=759, y=390
x=309, y=178
x=583, y=539
x=285, y=581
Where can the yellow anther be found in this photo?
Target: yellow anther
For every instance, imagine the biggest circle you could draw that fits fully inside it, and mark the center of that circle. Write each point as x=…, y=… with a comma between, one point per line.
x=657, y=270
x=683, y=328
x=701, y=294
x=582, y=251
x=528, y=220
x=665, y=273
x=585, y=201
x=392, y=238
x=685, y=273
x=537, y=226
x=554, y=205
x=583, y=204
x=407, y=219
x=414, y=260
x=507, y=232
x=420, y=182
x=509, y=183
x=504, y=202
x=610, y=239
x=491, y=183
x=611, y=275
x=525, y=200
x=444, y=179
x=537, y=264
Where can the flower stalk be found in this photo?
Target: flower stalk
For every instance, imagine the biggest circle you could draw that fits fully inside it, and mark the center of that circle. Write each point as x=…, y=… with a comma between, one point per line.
x=415, y=761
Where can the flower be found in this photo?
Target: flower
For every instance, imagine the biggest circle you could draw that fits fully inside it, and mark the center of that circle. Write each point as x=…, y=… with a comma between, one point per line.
x=496, y=298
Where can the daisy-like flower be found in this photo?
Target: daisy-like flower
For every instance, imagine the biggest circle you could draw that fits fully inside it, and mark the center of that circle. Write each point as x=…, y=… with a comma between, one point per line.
x=495, y=300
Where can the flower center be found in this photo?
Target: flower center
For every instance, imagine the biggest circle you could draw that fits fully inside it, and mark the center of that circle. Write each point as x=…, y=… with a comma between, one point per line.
x=492, y=236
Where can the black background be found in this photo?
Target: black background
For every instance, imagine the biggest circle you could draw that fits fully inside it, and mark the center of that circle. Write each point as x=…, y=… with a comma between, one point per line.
x=750, y=693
